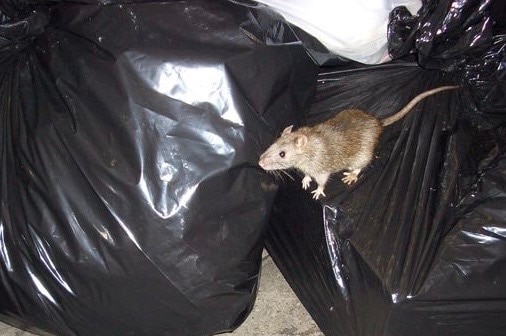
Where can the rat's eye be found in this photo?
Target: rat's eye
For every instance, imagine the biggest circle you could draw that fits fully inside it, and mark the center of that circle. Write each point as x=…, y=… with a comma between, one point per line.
x=282, y=154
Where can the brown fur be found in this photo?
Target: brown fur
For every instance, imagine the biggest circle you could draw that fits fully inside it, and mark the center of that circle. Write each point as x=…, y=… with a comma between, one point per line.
x=344, y=142
x=354, y=131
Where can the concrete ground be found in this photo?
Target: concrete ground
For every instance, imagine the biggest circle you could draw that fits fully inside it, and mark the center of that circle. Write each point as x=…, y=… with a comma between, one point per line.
x=277, y=311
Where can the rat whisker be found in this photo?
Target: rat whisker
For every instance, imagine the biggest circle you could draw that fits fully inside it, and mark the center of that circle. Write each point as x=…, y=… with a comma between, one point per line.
x=280, y=175
x=287, y=174
x=276, y=174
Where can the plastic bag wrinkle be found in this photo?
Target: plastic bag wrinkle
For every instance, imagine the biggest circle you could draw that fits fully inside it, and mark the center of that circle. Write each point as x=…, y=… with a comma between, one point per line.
x=413, y=242
x=459, y=36
x=131, y=203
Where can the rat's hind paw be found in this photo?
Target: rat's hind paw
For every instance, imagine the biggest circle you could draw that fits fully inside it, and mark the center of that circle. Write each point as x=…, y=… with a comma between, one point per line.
x=349, y=177
x=306, y=181
x=317, y=193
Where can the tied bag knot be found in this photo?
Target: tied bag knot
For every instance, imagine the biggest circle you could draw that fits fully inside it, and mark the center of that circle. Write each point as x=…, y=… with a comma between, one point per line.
x=19, y=33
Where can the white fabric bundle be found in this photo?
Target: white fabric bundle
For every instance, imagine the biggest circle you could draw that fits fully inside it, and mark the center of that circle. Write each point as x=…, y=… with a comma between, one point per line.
x=355, y=29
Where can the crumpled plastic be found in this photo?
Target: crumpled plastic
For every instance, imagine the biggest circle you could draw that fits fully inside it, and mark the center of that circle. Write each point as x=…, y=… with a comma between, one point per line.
x=459, y=36
x=356, y=30
x=131, y=202
x=418, y=245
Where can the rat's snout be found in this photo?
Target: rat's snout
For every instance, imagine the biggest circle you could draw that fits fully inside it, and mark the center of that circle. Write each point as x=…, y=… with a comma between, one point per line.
x=263, y=161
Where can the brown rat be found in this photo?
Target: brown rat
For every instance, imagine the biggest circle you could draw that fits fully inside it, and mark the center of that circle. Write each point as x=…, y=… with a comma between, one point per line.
x=345, y=142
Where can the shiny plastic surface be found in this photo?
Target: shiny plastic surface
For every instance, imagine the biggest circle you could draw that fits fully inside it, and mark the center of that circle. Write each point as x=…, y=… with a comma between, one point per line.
x=355, y=29
x=131, y=203
x=459, y=35
x=418, y=246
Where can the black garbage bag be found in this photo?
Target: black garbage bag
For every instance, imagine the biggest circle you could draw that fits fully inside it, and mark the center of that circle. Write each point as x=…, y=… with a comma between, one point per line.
x=467, y=36
x=131, y=202
x=418, y=245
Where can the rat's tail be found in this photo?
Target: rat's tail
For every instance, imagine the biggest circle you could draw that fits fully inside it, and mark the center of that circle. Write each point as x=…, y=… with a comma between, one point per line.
x=405, y=110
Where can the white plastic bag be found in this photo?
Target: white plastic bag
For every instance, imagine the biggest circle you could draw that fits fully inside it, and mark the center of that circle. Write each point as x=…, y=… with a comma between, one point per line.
x=355, y=29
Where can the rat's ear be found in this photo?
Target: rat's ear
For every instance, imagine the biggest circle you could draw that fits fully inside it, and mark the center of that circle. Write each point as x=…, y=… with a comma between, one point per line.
x=287, y=130
x=300, y=141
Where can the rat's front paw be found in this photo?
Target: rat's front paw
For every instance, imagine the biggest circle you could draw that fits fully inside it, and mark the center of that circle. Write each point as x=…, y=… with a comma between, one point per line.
x=306, y=181
x=317, y=193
